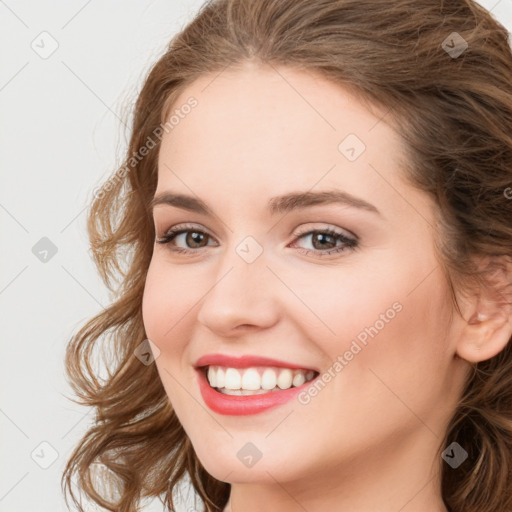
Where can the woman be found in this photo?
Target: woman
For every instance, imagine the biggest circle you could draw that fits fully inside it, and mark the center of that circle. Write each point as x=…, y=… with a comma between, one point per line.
x=314, y=312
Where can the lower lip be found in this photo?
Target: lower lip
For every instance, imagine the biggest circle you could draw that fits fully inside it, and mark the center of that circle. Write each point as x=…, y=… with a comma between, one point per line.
x=242, y=405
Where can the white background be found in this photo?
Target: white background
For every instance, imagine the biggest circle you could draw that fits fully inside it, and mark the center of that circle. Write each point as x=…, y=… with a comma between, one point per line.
x=61, y=136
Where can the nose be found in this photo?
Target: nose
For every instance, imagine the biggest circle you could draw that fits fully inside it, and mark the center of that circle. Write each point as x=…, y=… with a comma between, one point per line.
x=242, y=297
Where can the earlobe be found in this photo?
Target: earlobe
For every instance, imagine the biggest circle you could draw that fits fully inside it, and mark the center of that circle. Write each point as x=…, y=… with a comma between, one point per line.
x=487, y=330
x=483, y=339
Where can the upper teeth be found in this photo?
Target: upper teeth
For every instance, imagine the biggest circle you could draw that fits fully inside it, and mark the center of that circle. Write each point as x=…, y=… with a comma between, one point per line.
x=256, y=378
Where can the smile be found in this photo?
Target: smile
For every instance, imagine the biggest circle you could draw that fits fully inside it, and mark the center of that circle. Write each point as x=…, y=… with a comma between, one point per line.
x=247, y=384
x=256, y=379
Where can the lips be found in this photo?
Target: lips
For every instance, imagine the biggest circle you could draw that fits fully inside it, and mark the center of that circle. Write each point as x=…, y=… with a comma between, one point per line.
x=249, y=404
x=247, y=361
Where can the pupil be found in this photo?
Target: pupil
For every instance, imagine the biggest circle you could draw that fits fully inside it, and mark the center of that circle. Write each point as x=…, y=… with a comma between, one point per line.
x=196, y=237
x=320, y=237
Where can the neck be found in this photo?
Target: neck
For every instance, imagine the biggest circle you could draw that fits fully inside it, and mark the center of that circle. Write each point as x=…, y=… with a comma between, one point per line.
x=408, y=481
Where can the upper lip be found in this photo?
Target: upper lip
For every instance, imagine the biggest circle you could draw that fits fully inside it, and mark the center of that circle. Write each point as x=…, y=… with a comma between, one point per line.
x=246, y=361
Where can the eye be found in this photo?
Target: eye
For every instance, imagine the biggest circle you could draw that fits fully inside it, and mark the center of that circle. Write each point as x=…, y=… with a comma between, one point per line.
x=194, y=237
x=327, y=241
x=324, y=241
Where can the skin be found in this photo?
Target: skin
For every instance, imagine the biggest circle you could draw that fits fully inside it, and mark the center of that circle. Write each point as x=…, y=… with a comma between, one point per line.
x=368, y=440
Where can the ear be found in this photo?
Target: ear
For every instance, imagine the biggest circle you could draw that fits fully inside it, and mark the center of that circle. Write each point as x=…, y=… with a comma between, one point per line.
x=487, y=315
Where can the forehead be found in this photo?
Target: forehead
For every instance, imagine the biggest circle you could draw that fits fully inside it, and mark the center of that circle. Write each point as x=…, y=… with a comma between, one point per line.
x=268, y=130
x=259, y=101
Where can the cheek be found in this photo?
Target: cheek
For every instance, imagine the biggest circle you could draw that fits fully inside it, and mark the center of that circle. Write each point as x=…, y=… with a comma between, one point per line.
x=167, y=301
x=389, y=353
x=383, y=320
x=166, y=310
x=342, y=305
x=405, y=352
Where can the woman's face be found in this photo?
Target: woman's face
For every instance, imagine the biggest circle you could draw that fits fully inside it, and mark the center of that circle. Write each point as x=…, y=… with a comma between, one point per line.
x=369, y=312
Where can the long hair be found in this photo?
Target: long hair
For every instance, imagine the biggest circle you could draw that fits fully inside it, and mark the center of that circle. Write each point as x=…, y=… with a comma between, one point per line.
x=443, y=72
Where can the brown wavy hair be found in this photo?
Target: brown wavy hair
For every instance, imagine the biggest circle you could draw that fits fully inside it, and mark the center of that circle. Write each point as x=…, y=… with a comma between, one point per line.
x=454, y=114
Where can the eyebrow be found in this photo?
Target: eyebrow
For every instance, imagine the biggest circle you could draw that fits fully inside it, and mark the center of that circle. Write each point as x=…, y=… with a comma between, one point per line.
x=275, y=205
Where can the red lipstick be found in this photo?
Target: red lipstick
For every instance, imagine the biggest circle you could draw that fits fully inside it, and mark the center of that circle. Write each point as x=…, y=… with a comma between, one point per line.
x=244, y=404
x=245, y=362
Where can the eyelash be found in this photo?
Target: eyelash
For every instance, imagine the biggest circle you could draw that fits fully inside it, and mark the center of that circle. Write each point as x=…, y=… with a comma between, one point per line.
x=349, y=243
